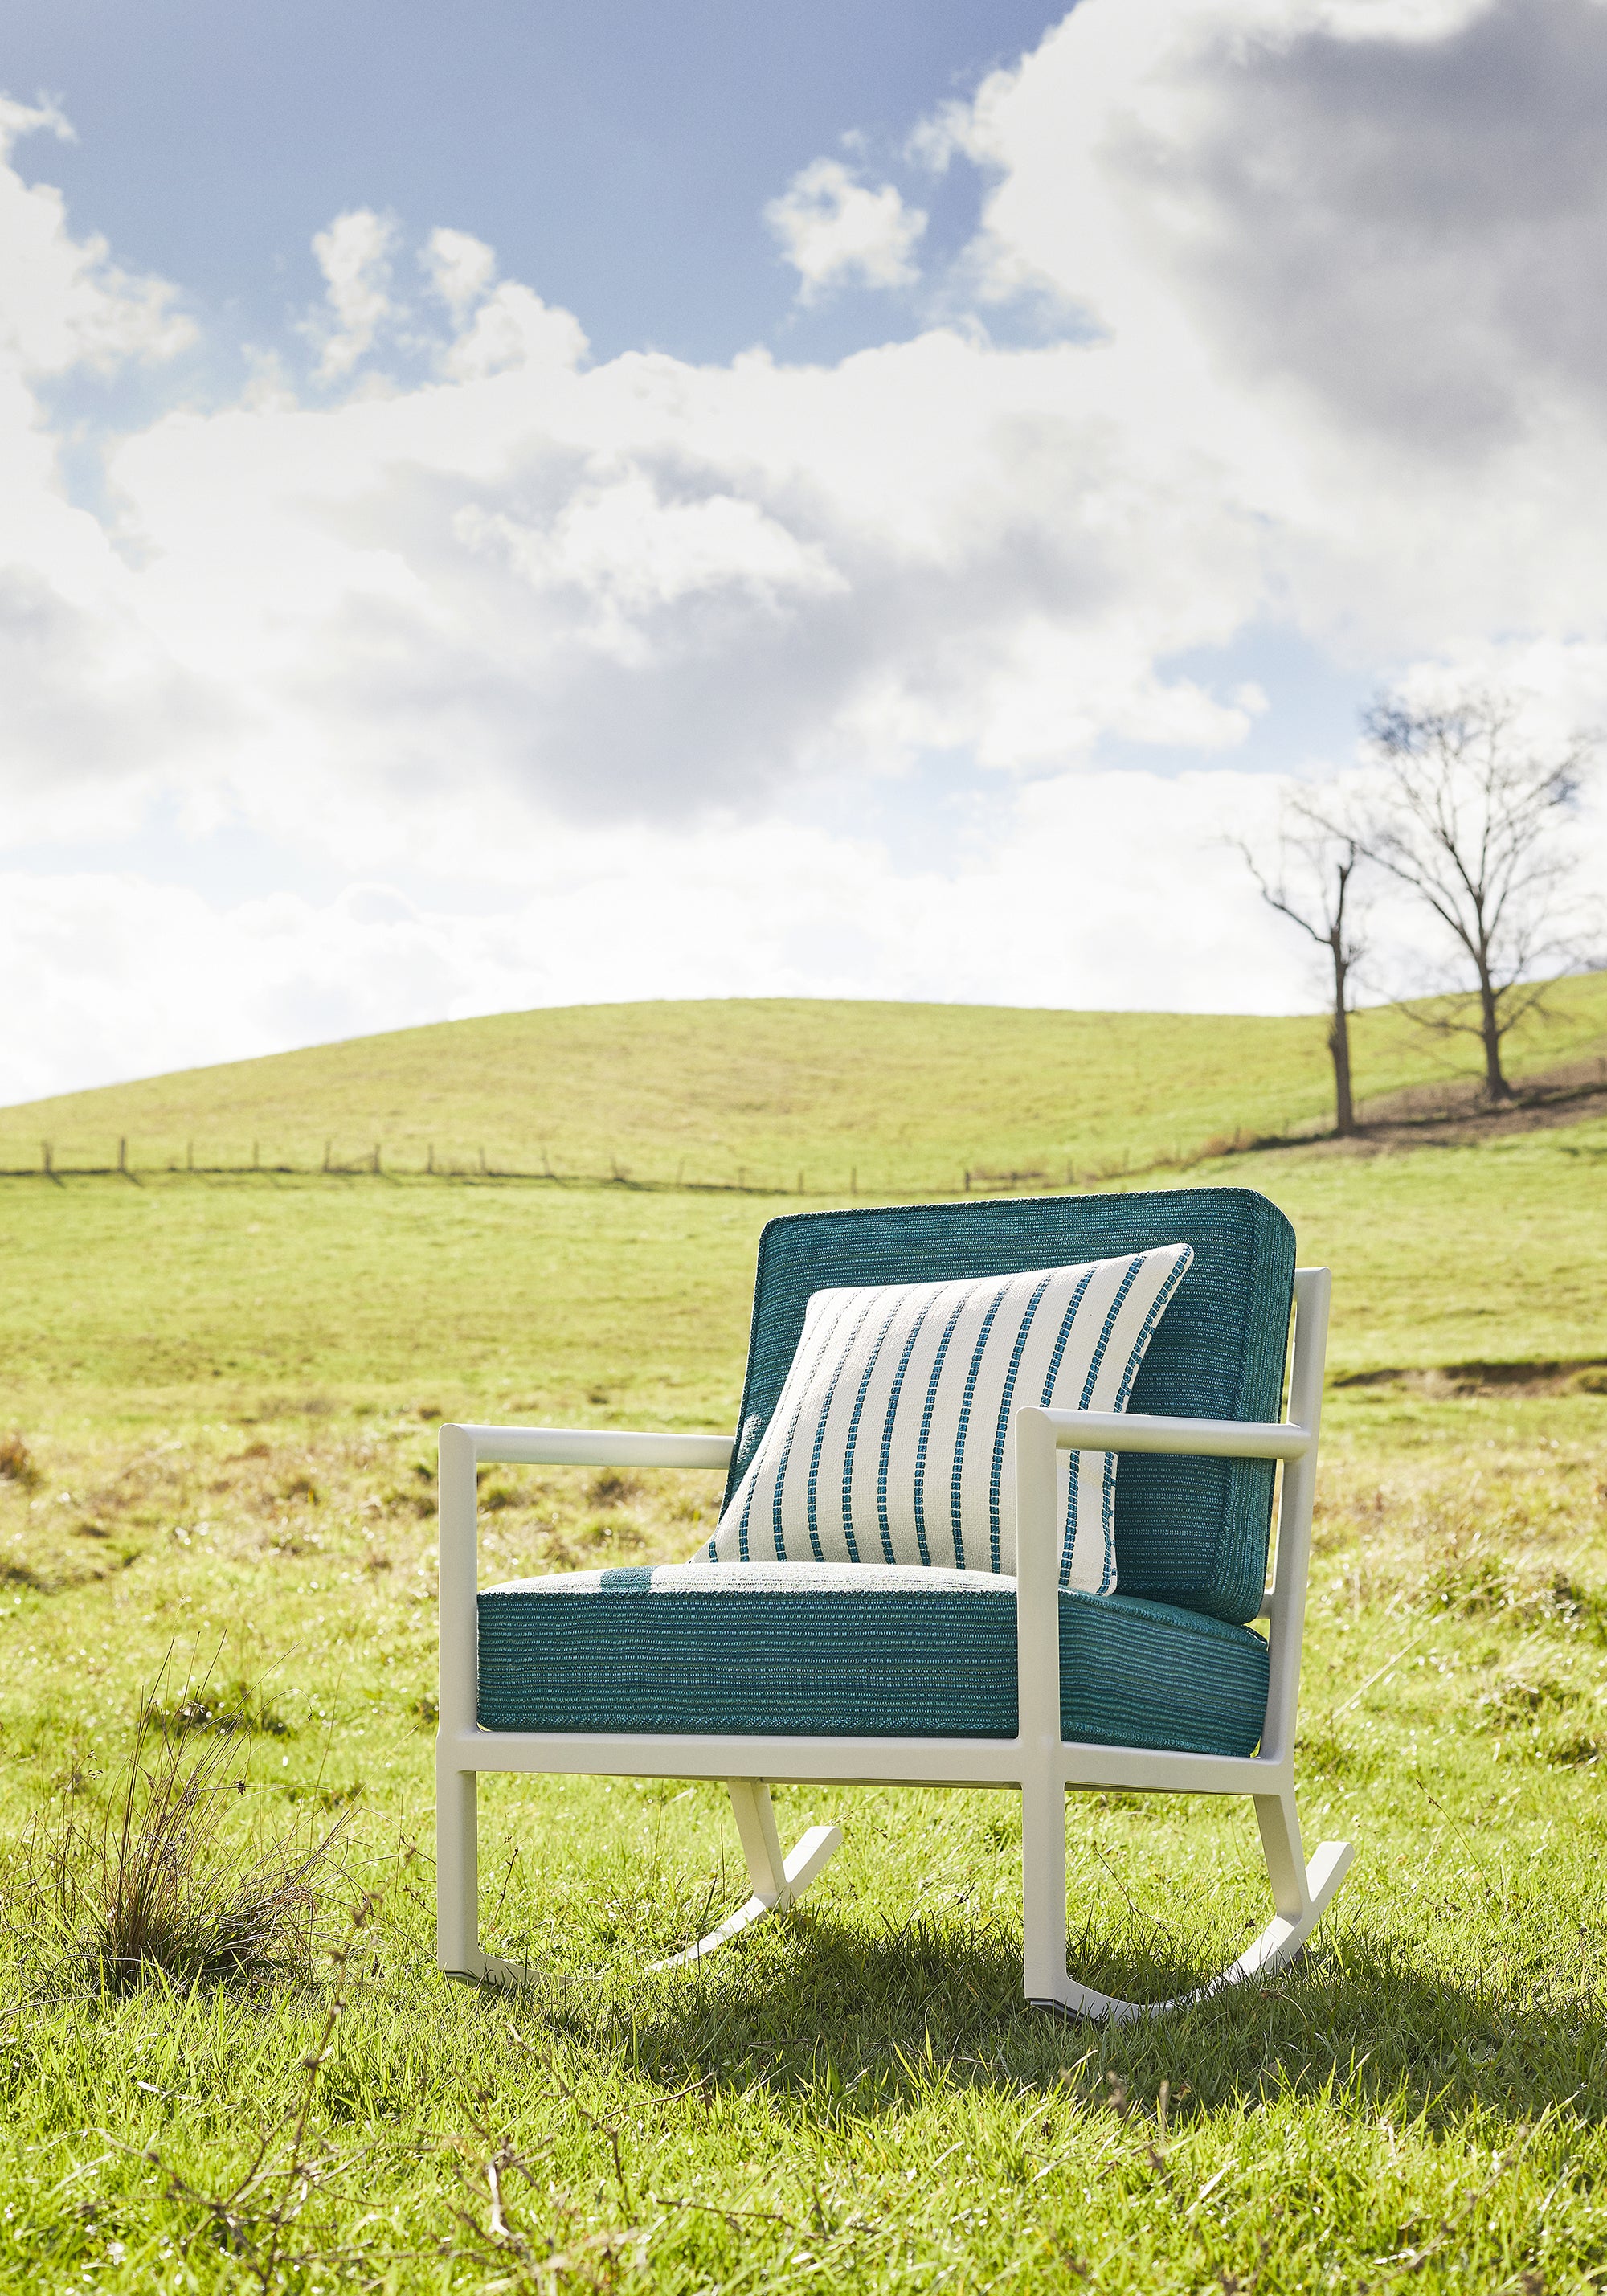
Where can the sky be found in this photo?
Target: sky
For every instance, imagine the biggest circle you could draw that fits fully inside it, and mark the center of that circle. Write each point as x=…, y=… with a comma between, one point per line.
x=557, y=501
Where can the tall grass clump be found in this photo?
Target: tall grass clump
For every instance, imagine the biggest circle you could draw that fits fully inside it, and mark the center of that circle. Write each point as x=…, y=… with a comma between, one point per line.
x=166, y=1879
x=16, y=1463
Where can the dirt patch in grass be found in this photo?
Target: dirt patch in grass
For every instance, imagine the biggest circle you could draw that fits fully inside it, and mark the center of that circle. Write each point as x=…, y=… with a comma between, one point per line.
x=1456, y=1113
x=1436, y=1381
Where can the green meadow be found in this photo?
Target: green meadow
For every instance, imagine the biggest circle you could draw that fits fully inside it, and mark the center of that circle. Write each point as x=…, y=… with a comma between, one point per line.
x=224, y=1386
x=776, y=1092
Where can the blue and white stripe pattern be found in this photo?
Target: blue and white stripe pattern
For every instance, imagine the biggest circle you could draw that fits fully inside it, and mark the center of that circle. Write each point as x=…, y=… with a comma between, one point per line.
x=891, y=1441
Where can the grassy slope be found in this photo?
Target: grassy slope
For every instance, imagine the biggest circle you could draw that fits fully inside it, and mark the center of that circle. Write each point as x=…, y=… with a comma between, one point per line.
x=130, y=1297
x=227, y=1384
x=908, y=1095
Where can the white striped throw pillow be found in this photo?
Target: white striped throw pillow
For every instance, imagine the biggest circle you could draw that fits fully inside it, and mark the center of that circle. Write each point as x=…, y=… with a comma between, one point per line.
x=890, y=1439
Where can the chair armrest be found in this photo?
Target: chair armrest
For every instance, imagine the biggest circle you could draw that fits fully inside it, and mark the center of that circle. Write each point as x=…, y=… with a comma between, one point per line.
x=1039, y=1434
x=1209, y=1439
x=464, y=1448
x=581, y=1446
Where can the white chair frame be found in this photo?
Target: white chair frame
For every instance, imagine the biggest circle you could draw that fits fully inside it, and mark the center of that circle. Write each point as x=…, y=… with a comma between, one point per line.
x=1037, y=1762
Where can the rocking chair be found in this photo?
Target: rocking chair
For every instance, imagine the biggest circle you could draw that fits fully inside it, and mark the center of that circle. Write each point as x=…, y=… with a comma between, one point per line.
x=750, y=1672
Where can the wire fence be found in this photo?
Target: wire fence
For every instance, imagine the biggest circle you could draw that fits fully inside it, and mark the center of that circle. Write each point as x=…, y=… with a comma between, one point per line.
x=126, y=1158
x=1449, y=1099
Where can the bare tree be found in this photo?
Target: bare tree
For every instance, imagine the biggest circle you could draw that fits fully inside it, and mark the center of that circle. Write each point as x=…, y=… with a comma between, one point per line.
x=1312, y=885
x=1468, y=812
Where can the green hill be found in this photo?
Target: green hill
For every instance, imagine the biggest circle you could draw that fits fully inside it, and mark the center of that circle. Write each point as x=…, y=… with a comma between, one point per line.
x=1479, y=1249
x=894, y=1096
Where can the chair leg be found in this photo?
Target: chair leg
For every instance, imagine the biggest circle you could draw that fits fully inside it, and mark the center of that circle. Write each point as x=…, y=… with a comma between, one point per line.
x=457, y=1877
x=755, y=1816
x=457, y=1949
x=1280, y=1824
x=1301, y=1895
x=777, y=1882
x=1044, y=1892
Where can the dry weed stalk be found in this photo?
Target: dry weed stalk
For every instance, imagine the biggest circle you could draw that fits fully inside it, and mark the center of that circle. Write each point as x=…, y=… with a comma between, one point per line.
x=254, y=2218
x=161, y=1886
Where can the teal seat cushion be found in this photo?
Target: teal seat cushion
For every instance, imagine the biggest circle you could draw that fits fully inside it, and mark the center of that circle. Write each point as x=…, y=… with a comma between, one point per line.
x=1190, y=1533
x=853, y=1650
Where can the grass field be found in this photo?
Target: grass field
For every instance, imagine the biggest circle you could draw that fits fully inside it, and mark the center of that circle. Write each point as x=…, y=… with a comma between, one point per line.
x=225, y=1389
x=772, y=1093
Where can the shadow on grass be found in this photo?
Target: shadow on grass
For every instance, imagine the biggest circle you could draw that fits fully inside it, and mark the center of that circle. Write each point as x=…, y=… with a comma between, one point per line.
x=839, y=2020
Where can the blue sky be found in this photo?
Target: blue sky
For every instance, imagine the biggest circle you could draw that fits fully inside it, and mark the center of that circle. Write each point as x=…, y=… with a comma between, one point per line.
x=617, y=154
x=550, y=503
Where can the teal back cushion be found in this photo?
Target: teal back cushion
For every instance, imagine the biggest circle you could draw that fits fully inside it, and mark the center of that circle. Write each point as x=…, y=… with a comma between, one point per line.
x=1189, y=1532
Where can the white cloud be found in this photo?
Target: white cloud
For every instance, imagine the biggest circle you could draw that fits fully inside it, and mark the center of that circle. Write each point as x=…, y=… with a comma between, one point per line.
x=631, y=550
x=833, y=229
x=944, y=134
x=460, y=268
x=1100, y=890
x=1349, y=250
x=131, y=978
x=44, y=117
x=514, y=328
x=63, y=302
x=623, y=617
x=495, y=327
x=657, y=587
x=354, y=255
x=93, y=708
